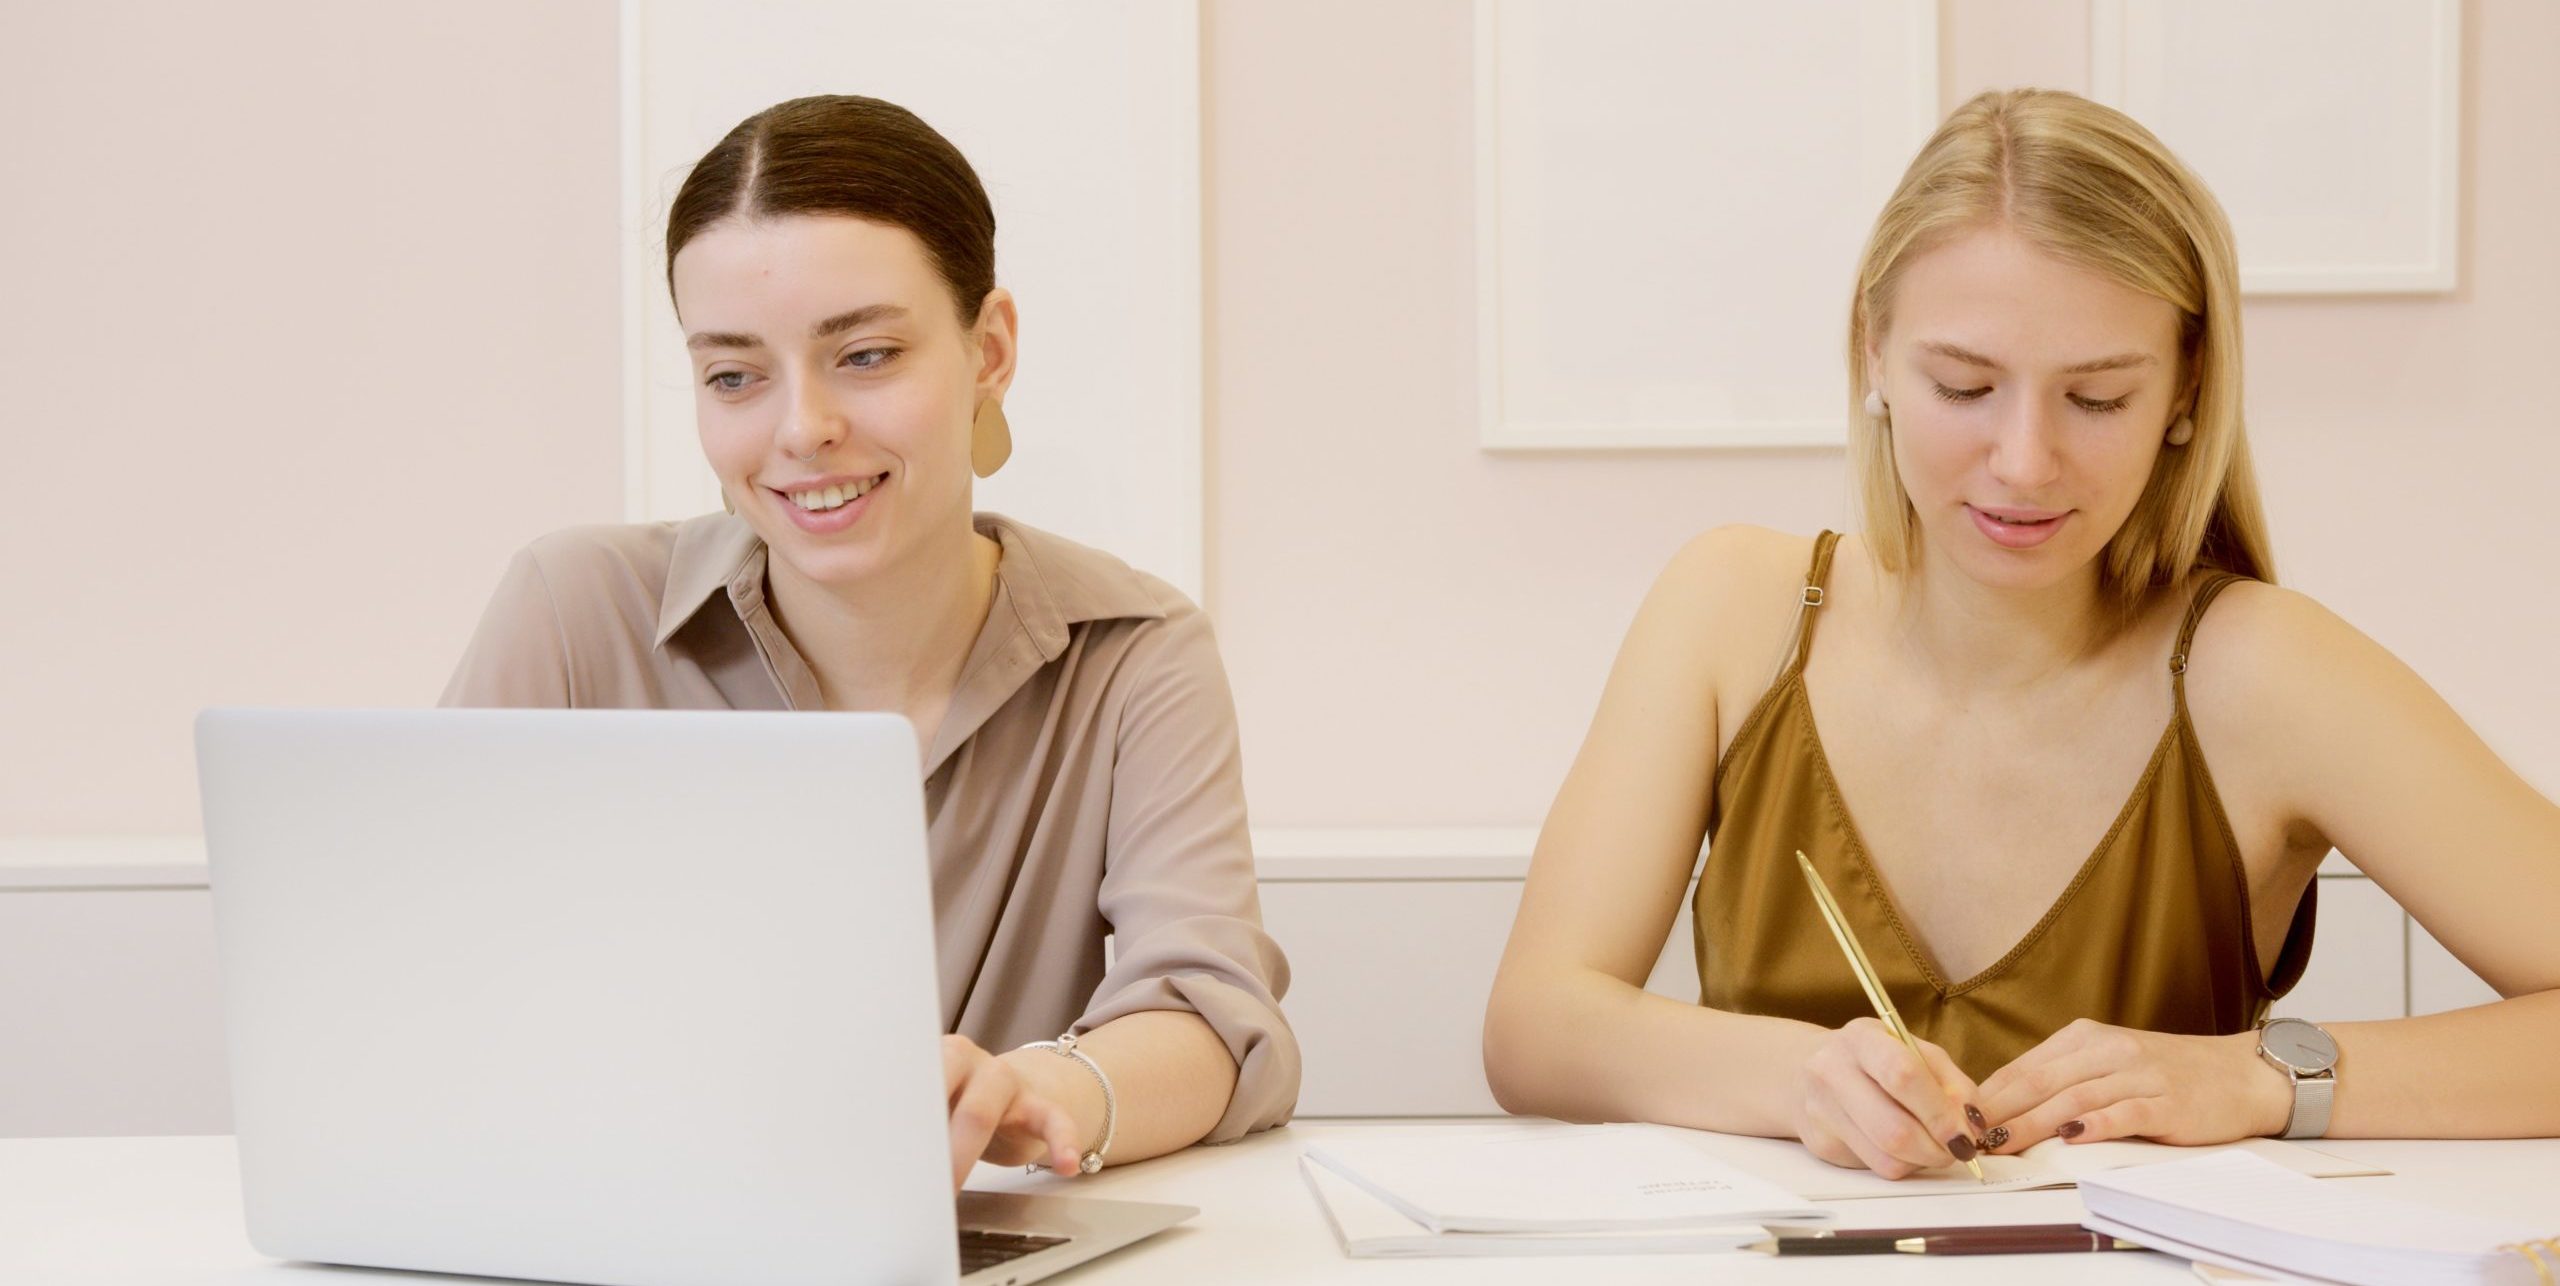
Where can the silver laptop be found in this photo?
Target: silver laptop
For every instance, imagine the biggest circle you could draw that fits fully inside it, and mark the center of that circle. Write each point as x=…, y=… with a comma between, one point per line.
x=636, y=998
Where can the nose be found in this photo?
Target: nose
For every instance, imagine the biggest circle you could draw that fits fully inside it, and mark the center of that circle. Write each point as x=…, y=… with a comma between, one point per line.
x=2026, y=452
x=812, y=422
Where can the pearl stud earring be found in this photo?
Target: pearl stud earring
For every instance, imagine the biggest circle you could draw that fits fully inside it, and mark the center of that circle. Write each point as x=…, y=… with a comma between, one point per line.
x=1875, y=405
x=2182, y=432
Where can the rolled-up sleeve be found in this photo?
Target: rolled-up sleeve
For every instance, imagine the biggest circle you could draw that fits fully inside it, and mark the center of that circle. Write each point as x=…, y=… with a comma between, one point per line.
x=518, y=656
x=1178, y=885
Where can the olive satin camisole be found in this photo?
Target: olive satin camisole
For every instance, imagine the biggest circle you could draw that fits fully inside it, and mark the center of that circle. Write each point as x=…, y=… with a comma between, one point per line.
x=2153, y=932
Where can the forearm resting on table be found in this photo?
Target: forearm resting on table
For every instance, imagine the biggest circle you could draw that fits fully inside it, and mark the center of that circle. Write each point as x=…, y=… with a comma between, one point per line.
x=2491, y=1071
x=1171, y=1077
x=1579, y=1045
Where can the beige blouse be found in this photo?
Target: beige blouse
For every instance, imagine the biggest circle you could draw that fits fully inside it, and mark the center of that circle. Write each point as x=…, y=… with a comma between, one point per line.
x=1084, y=782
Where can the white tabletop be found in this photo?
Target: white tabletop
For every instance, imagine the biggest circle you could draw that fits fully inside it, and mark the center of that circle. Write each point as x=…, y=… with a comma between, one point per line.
x=166, y=1212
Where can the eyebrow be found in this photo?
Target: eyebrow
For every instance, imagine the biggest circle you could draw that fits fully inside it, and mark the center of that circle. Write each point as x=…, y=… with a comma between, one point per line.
x=2120, y=361
x=836, y=325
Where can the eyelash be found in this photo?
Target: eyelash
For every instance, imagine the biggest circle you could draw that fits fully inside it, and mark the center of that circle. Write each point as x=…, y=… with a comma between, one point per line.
x=2108, y=407
x=887, y=355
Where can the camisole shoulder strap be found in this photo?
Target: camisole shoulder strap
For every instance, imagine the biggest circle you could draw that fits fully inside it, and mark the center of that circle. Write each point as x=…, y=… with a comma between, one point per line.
x=2205, y=594
x=1815, y=578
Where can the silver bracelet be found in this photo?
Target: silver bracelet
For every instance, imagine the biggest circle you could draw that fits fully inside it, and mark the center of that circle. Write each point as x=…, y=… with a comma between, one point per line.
x=1065, y=1047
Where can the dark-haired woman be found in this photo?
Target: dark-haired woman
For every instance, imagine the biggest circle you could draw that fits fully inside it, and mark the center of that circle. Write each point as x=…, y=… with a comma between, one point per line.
x=832, y=263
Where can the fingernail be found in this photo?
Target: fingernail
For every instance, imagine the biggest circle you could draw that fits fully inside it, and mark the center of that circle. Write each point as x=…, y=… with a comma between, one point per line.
x=2071, y=1129
x=1996, y=1136
x=1974, y=1114
x=1962, y=1147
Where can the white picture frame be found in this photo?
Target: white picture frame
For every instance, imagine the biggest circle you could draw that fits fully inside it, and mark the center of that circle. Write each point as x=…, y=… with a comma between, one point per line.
x=1879, y=87
x=2331, y=130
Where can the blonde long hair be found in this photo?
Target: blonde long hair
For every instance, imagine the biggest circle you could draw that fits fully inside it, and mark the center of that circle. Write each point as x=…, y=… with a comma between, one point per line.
x=2090, y=186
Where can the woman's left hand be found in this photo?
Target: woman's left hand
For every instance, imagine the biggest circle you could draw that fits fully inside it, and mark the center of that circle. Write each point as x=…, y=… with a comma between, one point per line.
x=2090, y=1082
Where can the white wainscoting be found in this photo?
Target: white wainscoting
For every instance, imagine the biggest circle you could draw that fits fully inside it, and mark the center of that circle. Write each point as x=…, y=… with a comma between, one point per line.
x=1083, y=122
x=2330, y=129
x=1393, y=936
x=1670, y=200
x=110, y=1015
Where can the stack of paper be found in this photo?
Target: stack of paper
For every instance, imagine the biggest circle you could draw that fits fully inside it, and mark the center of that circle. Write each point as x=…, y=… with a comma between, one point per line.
x=2239, y=1211
x=1572, y=1190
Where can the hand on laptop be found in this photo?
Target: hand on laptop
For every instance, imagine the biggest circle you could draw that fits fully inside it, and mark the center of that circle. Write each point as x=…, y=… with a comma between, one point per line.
x=999, y=1114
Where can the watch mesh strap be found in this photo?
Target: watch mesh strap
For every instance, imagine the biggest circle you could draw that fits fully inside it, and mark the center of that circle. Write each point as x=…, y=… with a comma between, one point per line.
x=2311, y=1095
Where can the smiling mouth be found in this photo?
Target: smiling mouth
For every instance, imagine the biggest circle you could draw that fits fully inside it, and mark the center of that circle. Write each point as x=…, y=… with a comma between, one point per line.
x=823, y=499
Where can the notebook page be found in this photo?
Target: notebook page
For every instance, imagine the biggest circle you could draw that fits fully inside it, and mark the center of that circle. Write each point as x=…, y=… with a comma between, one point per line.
x=2050, y=1164
x=1570, y=1179
x=1788, y=1164
x=2081, y=1159
x=1368, y=1228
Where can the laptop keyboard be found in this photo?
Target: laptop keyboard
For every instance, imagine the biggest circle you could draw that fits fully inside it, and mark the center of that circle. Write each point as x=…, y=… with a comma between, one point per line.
x=985, y=1248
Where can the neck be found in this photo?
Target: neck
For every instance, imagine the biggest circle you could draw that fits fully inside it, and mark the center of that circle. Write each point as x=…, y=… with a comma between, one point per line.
x=897, y=640
x=1987, y=640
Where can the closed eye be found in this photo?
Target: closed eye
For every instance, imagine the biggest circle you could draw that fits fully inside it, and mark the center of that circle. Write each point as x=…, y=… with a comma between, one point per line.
x=2101, y=408
x=1959, y=394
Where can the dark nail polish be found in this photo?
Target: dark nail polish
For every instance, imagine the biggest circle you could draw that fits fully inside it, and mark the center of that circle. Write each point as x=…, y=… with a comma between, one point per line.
x=1996, y=1136
x=1974, y=1114
x=2071, y=1129
x=1962, y=1147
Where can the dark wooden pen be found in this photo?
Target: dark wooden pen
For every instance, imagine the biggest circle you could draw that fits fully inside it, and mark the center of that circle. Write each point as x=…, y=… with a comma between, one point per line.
x=2011, y=1239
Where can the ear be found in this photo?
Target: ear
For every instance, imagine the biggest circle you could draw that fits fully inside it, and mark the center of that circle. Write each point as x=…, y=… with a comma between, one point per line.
x=1875, y=367
x=996, y=338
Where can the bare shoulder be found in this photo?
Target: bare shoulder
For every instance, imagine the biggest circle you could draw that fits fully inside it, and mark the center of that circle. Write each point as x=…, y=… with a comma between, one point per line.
x=2262, y=648
x=2283, y=694
x=1733, y=592
x=1738, y=562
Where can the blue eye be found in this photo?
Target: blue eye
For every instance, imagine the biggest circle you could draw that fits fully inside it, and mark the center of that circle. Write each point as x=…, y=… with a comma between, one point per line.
x=870, y=359
x=721, y=381
x=1960, y=394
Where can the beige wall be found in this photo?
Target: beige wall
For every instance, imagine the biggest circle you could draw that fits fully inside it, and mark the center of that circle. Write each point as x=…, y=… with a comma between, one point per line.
x=1418, y=630
x=310, y=316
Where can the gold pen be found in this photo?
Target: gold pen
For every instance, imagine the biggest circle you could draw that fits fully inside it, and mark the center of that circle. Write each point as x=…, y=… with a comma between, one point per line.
x=1866, y=972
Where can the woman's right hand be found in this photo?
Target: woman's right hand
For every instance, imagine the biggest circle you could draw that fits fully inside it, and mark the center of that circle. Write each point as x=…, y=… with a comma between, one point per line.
x=1866, y=1101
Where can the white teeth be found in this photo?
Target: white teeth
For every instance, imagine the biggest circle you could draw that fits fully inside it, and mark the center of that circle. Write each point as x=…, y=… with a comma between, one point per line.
x=835, y=497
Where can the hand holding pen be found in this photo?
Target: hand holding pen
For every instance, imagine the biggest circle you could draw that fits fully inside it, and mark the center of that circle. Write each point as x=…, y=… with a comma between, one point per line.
x=1876, y=1095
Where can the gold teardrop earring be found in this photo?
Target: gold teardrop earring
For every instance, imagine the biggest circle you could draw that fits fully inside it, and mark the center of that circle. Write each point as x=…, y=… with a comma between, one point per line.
x=990, y=439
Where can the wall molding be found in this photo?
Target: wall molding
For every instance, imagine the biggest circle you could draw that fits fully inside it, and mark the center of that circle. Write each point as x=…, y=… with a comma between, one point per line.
x=1282, y=855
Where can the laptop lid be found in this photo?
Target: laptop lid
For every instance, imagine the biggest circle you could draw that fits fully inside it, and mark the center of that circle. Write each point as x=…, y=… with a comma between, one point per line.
x=643, y=998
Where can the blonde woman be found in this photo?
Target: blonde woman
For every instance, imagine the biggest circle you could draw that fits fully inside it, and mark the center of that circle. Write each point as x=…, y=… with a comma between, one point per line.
x=2077, y=755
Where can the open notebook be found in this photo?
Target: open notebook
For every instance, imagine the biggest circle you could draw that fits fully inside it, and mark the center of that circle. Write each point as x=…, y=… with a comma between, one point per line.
x=2241, y=1211
x=1369, y=1228
x=2050, y=1164
x=1599, y=1178
x=1542, y=1188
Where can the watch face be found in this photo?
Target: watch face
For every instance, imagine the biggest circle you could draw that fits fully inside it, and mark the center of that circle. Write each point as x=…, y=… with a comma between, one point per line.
x=2299, y=1045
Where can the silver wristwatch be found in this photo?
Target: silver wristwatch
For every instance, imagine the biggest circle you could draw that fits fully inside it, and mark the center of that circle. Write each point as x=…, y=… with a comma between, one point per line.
x=2308, y=1056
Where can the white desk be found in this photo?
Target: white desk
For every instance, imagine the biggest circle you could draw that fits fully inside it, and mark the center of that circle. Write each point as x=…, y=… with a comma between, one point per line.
x=166, y=1212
